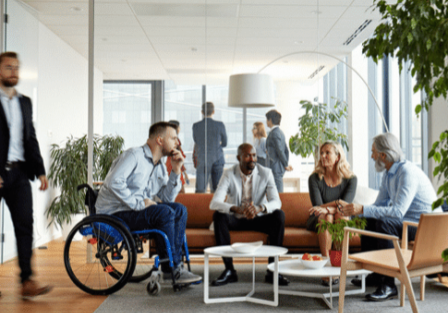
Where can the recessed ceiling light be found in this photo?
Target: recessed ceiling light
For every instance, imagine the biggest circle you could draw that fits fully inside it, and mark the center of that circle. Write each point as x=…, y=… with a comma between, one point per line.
x=75, y=9
x=317, y=12
x=298, y=42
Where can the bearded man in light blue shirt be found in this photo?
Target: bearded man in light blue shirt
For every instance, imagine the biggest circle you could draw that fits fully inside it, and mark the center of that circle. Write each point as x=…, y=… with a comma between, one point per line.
x=405, y=193
x=139, y=191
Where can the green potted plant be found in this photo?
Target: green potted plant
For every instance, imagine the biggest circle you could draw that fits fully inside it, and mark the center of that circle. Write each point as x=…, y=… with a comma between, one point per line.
x=68, y=169
x=336, y=230
x=416, y=31
x=314, y=128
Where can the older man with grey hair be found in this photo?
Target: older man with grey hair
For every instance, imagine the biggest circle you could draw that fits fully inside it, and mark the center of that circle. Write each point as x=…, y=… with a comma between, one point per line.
x=405, y=193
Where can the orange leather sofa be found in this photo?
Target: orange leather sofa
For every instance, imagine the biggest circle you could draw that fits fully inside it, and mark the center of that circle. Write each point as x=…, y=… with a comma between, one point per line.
x=297, y=238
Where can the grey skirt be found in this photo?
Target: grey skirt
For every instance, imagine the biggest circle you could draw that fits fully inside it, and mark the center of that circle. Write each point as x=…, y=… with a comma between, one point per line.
x=311, y=223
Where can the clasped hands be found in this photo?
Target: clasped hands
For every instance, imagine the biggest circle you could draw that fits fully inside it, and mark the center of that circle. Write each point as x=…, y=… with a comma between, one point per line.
x=250, y=211
x=349, y=209
x=317, y=210
x=344, y=208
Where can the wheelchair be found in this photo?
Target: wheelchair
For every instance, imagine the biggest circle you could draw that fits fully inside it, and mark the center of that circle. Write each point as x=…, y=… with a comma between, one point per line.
x=101, y=254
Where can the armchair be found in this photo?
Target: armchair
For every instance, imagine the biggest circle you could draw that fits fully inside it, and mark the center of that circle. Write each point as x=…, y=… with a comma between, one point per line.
x=431, y=239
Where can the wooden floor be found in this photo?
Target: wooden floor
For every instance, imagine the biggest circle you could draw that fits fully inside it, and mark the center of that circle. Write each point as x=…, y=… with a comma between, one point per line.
x=48, y=267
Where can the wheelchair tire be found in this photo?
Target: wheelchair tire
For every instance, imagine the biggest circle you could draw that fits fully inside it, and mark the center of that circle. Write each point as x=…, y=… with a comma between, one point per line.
x=102, y=262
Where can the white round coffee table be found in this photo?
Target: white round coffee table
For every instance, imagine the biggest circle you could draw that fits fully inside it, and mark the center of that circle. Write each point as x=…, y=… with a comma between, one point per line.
x=227, y=251
x=296, y=268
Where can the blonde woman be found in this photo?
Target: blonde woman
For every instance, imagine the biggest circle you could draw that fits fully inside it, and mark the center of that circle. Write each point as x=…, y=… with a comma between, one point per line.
x=260, y=135
x=331, y=181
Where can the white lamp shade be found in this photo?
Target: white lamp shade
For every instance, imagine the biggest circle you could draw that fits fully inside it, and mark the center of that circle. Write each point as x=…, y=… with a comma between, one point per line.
x=251, y=91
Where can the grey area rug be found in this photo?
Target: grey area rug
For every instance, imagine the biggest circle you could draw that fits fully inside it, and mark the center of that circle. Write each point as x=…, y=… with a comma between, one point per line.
x=133, y=297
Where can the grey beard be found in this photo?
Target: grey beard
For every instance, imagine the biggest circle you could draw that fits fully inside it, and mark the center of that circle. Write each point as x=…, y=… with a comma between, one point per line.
x=379, y=166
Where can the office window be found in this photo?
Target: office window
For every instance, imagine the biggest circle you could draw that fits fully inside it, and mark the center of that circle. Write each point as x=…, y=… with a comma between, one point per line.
x=127, y=111
x=183, y=103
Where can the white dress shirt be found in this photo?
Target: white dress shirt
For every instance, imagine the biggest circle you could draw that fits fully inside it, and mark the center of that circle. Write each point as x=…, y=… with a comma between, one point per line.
x=13, y=113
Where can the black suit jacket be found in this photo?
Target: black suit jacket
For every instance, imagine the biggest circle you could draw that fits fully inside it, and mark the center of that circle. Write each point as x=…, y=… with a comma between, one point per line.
x=33, y=159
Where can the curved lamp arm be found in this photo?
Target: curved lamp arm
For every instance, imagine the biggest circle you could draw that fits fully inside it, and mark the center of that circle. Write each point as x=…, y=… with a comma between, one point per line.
x=331, y=56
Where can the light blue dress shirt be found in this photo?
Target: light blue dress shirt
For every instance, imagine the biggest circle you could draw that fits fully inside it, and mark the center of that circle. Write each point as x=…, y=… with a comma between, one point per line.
x=405, y=193
x=132, y=178
x=14, y=118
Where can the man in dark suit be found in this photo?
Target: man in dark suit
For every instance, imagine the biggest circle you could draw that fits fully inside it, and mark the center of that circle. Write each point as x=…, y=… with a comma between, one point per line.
x=278, y=151
x=20, y=161
x=209, y=138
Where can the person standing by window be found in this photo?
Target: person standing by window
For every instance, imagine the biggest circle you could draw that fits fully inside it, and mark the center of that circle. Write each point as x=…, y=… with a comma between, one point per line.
x=278, y=151
x=210, y=138
x=260, y=135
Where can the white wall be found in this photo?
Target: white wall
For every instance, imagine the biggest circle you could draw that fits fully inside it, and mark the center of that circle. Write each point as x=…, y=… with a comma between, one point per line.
x=60, y=78
x=63, y=106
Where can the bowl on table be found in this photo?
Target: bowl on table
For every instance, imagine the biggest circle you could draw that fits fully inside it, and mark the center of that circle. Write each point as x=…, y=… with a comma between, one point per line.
x=246, y=247
x=313, y=264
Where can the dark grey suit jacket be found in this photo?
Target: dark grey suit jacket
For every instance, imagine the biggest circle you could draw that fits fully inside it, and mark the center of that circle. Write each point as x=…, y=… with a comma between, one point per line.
x=216, y=140
x=33, y=159
x=278, y=151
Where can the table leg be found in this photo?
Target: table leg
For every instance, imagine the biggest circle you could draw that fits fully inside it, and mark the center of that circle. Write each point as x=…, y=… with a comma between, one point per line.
x=325, y=296
x=276, y=282
x=206, y=274
x=275, y=287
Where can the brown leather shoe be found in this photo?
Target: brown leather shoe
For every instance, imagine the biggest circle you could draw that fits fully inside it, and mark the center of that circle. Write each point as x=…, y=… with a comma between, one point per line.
x=31, y=289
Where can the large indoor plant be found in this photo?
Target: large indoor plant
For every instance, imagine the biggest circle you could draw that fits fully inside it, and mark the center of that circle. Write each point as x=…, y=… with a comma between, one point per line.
x=68, y=169
x=417, y=31
x=336, y=231
x=315, y=128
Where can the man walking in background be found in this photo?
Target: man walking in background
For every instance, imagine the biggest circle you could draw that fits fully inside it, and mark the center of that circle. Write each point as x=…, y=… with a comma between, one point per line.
x=20, y=161
x=209, y=138
x=278, y=151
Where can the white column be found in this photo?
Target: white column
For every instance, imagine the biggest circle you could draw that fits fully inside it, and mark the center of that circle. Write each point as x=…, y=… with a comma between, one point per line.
x=358, y=119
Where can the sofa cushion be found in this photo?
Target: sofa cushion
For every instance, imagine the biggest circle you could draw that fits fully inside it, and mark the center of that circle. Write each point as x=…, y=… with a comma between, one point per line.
x=198, y=205
x=296, y=207
x=299, y=237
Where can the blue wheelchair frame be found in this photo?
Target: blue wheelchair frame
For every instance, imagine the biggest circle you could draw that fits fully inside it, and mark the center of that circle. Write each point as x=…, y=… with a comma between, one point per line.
x=90, y=200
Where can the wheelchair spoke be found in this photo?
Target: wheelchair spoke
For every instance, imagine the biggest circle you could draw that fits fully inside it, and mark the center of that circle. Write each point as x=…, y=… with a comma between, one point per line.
x=97, y=266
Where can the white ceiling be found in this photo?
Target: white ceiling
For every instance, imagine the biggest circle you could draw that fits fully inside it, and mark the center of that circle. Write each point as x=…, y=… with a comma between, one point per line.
x=205, y=41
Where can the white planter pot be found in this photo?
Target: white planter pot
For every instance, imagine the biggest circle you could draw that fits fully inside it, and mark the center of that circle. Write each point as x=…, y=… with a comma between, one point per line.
x=66, y=228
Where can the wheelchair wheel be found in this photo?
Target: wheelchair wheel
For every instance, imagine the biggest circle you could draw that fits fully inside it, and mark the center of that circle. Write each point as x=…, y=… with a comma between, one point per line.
x=104, y=259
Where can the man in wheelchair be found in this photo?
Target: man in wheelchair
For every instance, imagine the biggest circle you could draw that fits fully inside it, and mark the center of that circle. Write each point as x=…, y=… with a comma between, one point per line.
x=136, y=179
